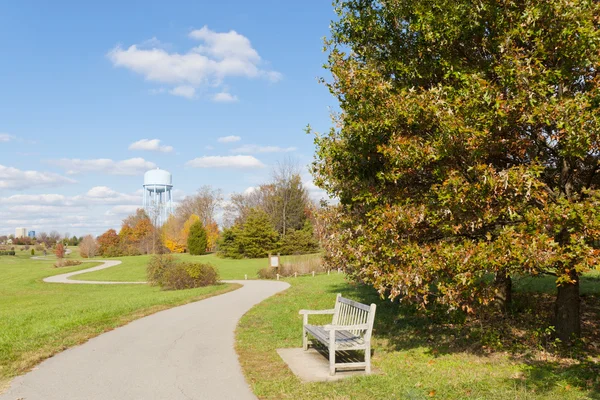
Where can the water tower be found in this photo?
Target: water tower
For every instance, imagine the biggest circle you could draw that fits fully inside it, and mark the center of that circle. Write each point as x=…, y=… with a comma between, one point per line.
x=158, y=195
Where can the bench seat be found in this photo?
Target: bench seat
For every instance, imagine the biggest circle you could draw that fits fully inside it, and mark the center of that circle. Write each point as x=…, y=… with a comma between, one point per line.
x=344, y=340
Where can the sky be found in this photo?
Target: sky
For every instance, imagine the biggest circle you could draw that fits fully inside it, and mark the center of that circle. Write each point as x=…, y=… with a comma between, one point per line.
x=93, y=94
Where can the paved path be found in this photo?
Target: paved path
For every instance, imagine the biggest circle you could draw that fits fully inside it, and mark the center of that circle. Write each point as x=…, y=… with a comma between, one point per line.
x=183, y=353
x=64, y=278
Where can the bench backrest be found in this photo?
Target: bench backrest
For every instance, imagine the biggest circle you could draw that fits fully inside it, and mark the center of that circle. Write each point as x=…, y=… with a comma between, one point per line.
x=350, y=312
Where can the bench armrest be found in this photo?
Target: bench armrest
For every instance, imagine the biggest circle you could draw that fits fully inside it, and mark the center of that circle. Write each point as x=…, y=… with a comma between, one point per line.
x=346, y=327
x=308, y=312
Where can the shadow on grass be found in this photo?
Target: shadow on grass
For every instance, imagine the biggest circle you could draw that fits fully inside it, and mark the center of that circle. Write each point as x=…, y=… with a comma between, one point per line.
x=523, y=333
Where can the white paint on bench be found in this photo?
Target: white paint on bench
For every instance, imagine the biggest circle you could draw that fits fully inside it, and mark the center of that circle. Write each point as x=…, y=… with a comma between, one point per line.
x=351, y=329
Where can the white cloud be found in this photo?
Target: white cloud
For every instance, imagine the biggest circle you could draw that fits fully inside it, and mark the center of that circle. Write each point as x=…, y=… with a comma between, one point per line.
x=225, y=162
x=224, y=97
x=229, y=139
x=122, y=210
x=219, y=56
x=5, y=137
x=94, y=211
x=253, y=149
x=132, y=166
x=150, y=145
x=184, y=91
x=13, y=178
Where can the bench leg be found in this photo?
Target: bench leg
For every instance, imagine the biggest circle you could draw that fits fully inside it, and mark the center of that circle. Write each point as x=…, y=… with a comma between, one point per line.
x=368, y=359
x=304, y=333
x=304, y=339
x=331, y=353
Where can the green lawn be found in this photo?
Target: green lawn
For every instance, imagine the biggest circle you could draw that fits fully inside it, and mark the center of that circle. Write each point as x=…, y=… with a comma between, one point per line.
x=134, y=268
x=39, y=319
x=415, y=357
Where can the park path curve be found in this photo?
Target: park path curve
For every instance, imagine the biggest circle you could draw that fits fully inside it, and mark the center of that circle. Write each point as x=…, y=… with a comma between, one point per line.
x=64, y=278
x=183, y=353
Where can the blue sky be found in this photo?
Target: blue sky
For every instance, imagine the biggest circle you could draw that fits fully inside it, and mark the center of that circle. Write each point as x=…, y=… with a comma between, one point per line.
x=95, y=93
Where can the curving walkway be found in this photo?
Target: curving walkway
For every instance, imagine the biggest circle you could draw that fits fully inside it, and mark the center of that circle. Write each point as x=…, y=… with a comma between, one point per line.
x=182, y=353
x=64, y=278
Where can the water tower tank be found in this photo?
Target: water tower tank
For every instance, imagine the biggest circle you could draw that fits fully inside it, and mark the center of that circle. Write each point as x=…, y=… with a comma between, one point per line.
x=158, y=196
x=158, y=179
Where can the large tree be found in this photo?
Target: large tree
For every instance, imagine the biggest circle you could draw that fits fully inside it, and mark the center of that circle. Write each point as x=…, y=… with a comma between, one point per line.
x=466, y=145
x=204, y=204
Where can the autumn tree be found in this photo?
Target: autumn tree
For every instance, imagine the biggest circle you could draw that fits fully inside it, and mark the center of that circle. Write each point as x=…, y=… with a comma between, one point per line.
x=88, y=247
x=212, y=236
x=59, y=251
x=136, y=234
x=109, y=243
x=172, y=236
x=467, y=145
x=204, y=204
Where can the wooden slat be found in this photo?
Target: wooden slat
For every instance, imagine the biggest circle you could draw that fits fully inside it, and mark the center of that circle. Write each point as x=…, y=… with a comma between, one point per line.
x=354, y=303
x=343, y=339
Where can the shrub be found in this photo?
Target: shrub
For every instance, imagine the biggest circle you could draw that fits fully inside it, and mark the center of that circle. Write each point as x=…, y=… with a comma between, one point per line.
x=7, y=253
x=32, y=252
x=197, y=241
x=166, y=272
x=156, y=267
x=66, y=263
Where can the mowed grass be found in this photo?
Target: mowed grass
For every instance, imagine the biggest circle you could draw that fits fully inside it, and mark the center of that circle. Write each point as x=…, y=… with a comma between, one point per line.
x=413, y=357
x=133, y=269
x=40, y=319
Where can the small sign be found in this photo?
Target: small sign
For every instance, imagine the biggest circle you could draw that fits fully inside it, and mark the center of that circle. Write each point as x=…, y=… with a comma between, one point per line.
x=274, y=260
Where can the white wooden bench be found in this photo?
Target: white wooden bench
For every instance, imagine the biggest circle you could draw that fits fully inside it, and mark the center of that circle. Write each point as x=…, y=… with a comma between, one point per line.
x=350, y=329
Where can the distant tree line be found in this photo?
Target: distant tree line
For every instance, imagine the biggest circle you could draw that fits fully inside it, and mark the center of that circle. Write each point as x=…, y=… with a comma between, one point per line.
x=273, y=218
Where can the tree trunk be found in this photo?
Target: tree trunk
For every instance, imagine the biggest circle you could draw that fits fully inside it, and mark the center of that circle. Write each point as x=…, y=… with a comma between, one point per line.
x=503, y=283
x=568, y=322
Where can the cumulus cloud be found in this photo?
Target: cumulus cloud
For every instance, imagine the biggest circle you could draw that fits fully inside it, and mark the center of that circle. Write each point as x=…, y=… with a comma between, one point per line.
x=184, y=91
x=253, y=149
x=13, y=178
x=229, y=139
x=132, y=166
x=150, y=145
x=5, y=137
x=122, y=210
x=219, y=55
x=224, y=97
x=238, y=161
x=93, y=212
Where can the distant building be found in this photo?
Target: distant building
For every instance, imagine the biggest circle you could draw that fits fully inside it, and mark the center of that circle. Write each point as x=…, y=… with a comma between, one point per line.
x=31, y=234
x=20, y=233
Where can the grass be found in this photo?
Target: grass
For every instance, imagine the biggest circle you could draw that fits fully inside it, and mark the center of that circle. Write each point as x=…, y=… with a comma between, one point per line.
x=415, y=357
x=133, y=269
x=39, y=319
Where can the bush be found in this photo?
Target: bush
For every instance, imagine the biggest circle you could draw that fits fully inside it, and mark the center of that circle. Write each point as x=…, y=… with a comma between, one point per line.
x=32, y=252
x=66, y=263
x=7, y=253
x=164, y=271
x=197, y=241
